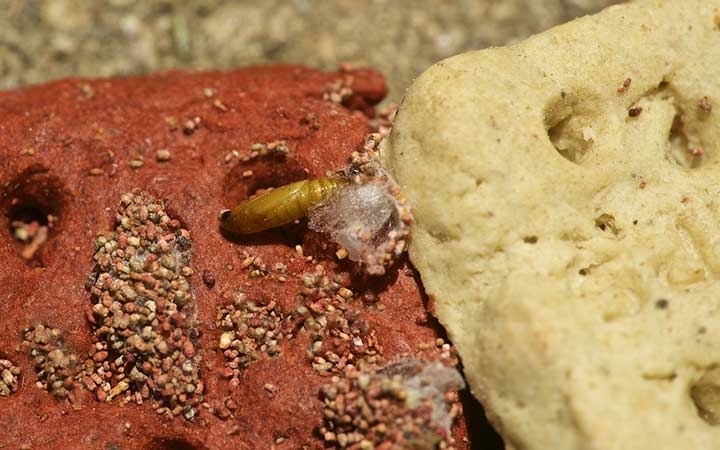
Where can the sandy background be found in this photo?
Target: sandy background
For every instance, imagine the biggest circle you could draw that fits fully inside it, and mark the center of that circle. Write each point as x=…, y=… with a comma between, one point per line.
x=47, y=39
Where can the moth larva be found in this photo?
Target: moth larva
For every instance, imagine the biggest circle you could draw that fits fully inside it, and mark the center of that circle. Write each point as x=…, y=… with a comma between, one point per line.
x=279, y=206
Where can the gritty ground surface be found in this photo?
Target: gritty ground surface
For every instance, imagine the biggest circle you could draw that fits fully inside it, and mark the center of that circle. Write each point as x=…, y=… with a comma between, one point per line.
x=42, y=40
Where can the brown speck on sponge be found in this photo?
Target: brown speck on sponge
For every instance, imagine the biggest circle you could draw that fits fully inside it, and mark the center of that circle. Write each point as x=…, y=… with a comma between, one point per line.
x=634, y=111
x=625, y=85
x=662, y=303
x=695, y=152
x=142, y=313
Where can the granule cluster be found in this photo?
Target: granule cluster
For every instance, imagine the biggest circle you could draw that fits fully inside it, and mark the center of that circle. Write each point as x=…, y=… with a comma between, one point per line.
x=142, y=312
x=249, y=330
x=55, y=366
x=9, y=374
x=408, y=404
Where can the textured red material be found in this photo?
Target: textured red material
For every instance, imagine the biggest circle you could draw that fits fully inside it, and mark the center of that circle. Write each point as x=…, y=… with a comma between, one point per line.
x=71, y=148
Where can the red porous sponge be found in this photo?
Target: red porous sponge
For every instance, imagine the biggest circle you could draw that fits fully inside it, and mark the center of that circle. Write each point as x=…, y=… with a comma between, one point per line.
x=128, y=320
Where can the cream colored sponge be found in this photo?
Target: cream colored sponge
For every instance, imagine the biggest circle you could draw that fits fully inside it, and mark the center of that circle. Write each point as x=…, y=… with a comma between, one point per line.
x=567, y=197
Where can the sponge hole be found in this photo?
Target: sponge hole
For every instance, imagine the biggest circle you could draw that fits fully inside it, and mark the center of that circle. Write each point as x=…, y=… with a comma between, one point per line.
x=705, y=394
x=255, y=174
x=685, y=150
x=569, y=127
x=32, y=207
x=680, y=149
x=249, y=177
x=687, y=146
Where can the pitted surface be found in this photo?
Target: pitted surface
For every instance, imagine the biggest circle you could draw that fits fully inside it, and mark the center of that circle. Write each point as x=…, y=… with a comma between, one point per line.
x=565, y=195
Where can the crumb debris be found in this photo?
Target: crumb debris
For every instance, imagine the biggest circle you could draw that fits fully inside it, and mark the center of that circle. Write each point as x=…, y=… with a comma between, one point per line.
x=219, y=105
x=191, y=125
x=55, y=366
x=263, y=149
x=9, y=375
x=142, y=311
x=339, y=90
x=162, y=155
x=33, y=234
x=383, y=122
x=271, y=389
x=208, y=278
x=408, y=404
x=136, y=163
x=341, y=254
x=254, y=265
x=311, y=120
x=86, y=90
x=230, y=155
x=172, y=122
x=223, y=409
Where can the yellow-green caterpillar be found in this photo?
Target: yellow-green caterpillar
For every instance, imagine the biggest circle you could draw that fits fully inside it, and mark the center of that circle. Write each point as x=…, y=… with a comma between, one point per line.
x=277, y=207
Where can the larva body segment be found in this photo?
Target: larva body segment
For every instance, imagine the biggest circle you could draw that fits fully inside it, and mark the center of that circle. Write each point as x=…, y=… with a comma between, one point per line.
x=279, y=206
